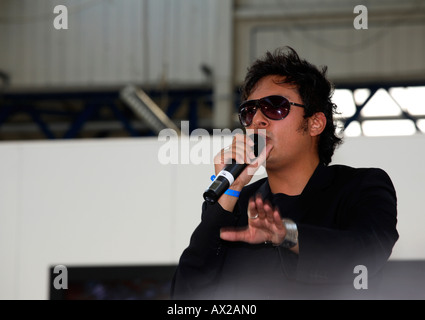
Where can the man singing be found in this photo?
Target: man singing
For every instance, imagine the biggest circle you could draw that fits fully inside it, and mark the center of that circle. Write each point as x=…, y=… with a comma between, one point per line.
x=300, y=232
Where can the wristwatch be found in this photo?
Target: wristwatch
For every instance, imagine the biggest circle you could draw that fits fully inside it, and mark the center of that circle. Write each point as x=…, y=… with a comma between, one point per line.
x=291, y=238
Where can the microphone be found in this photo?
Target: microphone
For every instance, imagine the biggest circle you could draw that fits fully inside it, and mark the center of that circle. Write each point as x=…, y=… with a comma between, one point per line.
x=229, y=174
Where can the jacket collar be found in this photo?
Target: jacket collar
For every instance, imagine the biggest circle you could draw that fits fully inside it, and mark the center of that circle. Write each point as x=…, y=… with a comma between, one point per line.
x=320, y=179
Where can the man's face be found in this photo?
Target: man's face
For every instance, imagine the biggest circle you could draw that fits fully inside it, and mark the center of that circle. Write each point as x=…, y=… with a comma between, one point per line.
x=290, y=139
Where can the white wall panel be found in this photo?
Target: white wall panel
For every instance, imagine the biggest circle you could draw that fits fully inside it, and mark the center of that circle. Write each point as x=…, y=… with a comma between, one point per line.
x=391, y=49
x=164, y=42
x=109, y=42
x=10, y=219
x=181, y=39
x=381, y=53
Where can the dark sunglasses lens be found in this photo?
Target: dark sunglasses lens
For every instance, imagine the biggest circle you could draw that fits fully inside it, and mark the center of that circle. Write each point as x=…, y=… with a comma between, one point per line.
x=275, y=107
x=246, y=114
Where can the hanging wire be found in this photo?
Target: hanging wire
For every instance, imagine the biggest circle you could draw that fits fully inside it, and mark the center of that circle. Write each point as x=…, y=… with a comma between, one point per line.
x=372, y=37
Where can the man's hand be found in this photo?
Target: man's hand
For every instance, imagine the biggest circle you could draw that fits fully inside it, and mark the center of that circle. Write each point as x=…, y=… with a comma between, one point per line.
x=241, y=151
x=264, y=225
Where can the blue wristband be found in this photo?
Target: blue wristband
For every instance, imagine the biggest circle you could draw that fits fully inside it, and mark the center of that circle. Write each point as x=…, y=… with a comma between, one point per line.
x=229, y=192
x=233, y=193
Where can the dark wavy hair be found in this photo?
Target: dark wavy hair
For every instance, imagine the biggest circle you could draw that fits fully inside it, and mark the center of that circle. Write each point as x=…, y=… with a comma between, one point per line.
x=313, y=87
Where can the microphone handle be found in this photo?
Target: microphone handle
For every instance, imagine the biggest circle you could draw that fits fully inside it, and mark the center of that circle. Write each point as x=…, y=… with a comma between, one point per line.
x=229, y=174
x=235, y=169
x=221, y=183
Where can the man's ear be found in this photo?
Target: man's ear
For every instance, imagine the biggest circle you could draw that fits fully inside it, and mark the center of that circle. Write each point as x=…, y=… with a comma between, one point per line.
x=317, y=123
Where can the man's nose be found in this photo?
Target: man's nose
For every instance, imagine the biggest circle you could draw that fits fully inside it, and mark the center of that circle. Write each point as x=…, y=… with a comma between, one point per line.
x=260, y=120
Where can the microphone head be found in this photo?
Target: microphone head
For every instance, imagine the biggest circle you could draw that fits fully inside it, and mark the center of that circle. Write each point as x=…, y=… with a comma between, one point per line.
x=259, y=143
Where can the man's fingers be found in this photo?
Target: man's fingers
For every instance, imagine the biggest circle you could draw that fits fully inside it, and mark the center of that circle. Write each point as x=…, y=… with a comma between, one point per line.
x=240, y=150
x=268, y=209
x=278, y=220
x=259, y=204
x=261, y=159
x=234, y=234
x=264, y=224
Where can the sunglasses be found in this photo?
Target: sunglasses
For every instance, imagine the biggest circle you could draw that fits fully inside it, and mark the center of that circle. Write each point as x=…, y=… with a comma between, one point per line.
x=273, y=107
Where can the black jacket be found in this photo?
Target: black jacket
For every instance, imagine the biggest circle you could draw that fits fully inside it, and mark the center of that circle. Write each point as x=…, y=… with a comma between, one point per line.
x=345, y=216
